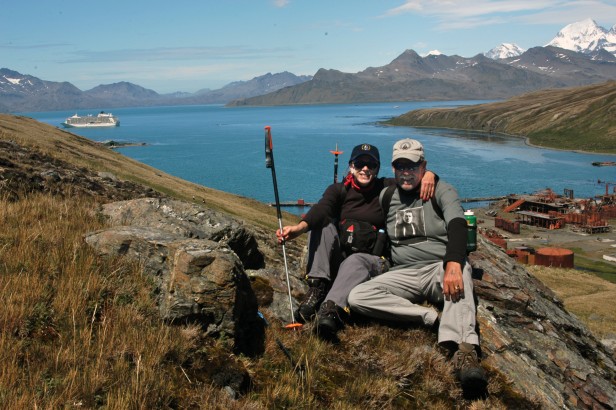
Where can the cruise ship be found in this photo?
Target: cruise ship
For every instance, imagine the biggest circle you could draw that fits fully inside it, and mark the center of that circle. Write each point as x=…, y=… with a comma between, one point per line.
x=103, y=119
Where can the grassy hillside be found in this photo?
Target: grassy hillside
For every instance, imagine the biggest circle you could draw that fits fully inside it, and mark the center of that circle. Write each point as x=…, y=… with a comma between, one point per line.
x=581, y=118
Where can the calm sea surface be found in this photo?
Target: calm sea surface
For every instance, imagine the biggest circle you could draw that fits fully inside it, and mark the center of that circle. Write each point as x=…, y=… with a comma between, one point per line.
x=223, y=148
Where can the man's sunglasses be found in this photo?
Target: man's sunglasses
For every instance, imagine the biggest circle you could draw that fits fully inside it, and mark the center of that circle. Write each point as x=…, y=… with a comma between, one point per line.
x=363, y=163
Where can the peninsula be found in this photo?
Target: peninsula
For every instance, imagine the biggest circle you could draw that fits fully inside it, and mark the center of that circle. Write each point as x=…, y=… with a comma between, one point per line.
x=577, y=119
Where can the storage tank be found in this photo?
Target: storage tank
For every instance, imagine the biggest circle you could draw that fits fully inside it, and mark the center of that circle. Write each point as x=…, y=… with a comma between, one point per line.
x=554, y=257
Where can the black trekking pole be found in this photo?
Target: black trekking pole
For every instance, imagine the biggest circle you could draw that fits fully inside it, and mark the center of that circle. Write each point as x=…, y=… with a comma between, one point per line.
x=269, y=163
x=336, y=153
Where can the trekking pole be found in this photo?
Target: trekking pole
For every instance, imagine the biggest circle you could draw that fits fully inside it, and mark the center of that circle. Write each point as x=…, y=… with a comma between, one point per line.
x=269, y=163
x=336, y=153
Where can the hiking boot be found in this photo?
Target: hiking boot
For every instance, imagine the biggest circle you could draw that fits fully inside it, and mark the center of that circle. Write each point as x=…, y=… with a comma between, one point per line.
x=331, y=319
x=469, y=372
x=317, y=289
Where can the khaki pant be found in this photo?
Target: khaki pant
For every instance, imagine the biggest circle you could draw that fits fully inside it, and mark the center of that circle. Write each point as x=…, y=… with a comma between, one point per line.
x=398, y=294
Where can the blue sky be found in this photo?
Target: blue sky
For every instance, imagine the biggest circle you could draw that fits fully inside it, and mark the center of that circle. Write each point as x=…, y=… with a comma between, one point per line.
x=189, y=45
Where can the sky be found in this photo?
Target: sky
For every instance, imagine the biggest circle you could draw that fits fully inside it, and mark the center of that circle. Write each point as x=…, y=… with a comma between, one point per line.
x=191, y=45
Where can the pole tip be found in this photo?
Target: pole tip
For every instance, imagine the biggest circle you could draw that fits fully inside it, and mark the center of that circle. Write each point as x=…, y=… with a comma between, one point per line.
x=267, y=128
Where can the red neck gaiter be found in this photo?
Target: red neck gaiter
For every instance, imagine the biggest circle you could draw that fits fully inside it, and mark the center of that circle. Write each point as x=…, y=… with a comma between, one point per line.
x=350, y=180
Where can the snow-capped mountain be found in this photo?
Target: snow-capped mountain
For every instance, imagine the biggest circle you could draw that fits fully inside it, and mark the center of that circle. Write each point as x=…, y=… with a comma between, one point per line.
x=505, y=50
x=586, y=37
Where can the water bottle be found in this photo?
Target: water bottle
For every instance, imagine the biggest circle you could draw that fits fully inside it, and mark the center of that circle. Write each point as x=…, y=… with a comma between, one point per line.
x=471, y=225
x=381, y=237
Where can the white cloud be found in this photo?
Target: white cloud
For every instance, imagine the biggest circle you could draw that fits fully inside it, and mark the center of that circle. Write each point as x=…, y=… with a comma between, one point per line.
x=456, y=14
x=281, y=3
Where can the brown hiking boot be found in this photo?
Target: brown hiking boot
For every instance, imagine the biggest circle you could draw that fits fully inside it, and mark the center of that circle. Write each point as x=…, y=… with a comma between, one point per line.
x=331, y=318
x=468, y=370
x=317, y=290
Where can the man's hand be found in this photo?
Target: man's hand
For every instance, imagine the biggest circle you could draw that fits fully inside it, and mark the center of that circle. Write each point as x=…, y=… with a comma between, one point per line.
x=453, y=285
x=291, y=231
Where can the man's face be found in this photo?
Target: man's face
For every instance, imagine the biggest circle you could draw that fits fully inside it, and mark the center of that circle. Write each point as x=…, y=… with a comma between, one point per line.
x=408, y=174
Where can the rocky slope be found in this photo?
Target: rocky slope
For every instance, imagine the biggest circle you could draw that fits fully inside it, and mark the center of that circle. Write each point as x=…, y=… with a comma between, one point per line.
x=218, y=269
x=581, y=118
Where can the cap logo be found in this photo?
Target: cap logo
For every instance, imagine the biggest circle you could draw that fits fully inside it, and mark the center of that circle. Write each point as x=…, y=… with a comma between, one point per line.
x=405, y=146
x=366, y=147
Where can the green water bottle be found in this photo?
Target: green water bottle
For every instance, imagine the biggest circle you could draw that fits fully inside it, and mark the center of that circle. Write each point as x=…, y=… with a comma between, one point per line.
x=471, y=225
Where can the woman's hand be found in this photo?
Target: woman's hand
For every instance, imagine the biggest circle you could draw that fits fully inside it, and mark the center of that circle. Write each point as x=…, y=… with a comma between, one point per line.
x=290, y=232
x=427, y=186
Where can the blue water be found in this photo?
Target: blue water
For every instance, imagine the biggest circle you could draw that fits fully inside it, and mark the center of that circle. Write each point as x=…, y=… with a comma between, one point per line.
x=223, y=148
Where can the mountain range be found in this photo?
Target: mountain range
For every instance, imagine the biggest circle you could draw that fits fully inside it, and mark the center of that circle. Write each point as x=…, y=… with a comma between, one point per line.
x=582, y=53
x=19, y=92
x=584, y=36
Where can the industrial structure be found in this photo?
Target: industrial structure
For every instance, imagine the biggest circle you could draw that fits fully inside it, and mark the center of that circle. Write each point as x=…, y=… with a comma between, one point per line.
x=549, y=211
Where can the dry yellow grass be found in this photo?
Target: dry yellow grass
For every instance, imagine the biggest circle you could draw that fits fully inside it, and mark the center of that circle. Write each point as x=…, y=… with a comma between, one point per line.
x=585, y=295
x=78, y=331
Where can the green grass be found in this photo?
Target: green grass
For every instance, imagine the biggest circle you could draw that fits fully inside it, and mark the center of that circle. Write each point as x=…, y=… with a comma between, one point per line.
x=603, y=270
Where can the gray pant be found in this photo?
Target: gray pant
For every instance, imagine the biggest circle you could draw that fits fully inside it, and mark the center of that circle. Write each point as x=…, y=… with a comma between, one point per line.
x=397, y=294
x=325, y=261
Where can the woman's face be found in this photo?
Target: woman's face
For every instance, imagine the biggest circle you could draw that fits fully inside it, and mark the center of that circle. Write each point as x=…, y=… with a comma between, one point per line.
x=364, y=168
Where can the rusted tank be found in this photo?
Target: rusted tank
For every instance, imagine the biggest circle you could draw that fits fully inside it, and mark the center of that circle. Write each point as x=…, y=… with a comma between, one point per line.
x=554, y=257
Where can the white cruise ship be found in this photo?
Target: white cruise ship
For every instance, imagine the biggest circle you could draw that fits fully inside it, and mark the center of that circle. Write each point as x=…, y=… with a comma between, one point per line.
x=103, y=119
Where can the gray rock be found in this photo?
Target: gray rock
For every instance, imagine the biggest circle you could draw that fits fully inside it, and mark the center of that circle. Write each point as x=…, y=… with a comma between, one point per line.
x=188, y=221
x=198, y=280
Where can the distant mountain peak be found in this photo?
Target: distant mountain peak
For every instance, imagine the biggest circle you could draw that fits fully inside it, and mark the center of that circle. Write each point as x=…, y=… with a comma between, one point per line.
x=585, y=36
x=434, y=53
x=505, y=50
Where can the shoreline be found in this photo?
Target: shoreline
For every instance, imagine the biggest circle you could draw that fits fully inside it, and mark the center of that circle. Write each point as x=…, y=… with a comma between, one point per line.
x=525, y=138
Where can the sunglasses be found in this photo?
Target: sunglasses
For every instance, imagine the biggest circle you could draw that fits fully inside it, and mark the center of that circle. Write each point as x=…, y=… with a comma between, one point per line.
x=363, y=163
x=398, y=166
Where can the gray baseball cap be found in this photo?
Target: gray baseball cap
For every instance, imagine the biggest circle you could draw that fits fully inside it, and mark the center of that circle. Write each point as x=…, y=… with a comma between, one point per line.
x=408, y=149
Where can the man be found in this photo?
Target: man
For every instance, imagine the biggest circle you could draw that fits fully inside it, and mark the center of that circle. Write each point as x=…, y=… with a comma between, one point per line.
x=343, y=228
x=428, y=250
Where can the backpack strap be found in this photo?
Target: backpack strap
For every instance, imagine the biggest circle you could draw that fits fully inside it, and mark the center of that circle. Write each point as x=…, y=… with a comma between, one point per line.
x=343, y=193
x=389, y=193
x=386, y=199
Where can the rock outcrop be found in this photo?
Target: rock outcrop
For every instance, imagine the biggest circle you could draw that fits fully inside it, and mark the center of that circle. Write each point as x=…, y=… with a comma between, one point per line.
x=197, y=259
x=545, y=353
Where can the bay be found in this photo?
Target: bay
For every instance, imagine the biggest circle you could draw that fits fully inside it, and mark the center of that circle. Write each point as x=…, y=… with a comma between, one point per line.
x=223, y=148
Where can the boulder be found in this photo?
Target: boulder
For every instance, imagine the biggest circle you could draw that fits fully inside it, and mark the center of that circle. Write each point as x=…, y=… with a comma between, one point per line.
x=198, y=280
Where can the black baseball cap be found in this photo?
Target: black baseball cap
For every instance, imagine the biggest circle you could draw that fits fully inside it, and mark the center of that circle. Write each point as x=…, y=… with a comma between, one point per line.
x=365, y=149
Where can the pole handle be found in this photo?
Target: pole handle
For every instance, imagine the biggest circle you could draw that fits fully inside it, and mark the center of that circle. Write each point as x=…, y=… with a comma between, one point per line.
x=269, y=147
